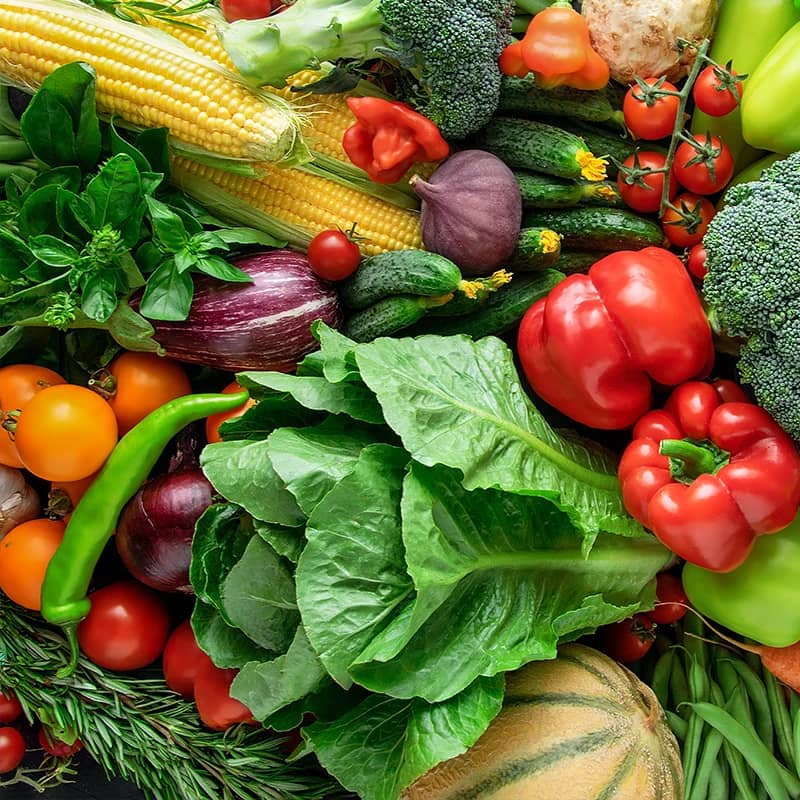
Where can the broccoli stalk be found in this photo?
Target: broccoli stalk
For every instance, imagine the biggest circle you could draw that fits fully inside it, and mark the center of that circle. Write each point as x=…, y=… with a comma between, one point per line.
x=446, y=51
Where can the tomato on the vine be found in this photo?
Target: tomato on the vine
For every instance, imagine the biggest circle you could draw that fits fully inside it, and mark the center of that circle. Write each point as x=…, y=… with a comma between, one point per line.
x=694, y=165
x=25, y=553
x=654, y=121
x=629, y=640
x=126, y=627
x=686, y=221
x=696, y=262
x=639, y=185
x=12, y=749
x=712, y=93
x=182, y=660
x=65, y=433
x=671, y=599
x=10, y=708
x=55, y=747
x=215, y=420
x=18, y=384
x=217, y=709
x=142, y=383
x=333, y=255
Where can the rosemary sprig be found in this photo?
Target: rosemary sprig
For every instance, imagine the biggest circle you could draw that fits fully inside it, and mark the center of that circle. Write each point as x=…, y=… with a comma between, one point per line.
x=140, y=730
x=140, y=11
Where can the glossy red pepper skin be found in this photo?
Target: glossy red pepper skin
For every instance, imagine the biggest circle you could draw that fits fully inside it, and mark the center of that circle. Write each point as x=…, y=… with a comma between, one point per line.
x=388, y=137
x=713, y=520
x=594, y=346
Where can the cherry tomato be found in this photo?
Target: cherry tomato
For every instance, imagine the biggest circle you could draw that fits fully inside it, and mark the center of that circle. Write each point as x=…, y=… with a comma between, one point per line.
x=711, y=95
x=629, y=640
x=655, y=121
x=247, y=9
x=696, y=262
x=126, y=628
x=12, y=749
x=686, y=232
x=143, y=383
x=25, y=553
x=216, y=707
x=55, y=747
x=182, y=660
x=697, y=177
x=215, y=420
x=10, y=708
x=18, y=384
x=644, y=198
x=65, y=433
x=333, y=256
x=65, y=495
x=671, y=600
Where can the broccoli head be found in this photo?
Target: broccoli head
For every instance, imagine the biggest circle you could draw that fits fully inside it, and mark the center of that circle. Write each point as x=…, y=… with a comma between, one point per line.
x=753, y=284
x=446, y=51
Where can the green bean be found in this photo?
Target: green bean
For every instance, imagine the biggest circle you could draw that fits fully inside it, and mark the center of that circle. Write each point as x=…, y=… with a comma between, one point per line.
x=699, y=691
x=677, y=724
x=739, y=772
x=679, y=686
x=693, y=633
x=790, y=780
x=756, y=691
x=780, y=718
x=796, y=736
x=718, y=781
x=698, y=789
x=659, y=682
x=753, y=750
x=12, y=148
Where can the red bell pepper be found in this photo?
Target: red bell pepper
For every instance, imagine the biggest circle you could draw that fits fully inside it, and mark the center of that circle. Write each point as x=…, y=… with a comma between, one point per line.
x=709, y=473
x=593, y=347
x=388, y=137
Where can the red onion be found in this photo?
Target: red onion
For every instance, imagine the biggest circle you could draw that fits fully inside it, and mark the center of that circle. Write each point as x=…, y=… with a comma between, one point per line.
x=155, y=529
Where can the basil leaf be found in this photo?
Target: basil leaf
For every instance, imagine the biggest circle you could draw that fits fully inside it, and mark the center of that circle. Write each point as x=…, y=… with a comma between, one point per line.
x=114, y=194
x=184, y=259
x=38, y=213
x=15, y=255
x=168, y=294
x=153, y=143
x=120, y=145
x=30, y=302
x=99, y=296
x=168, y=229
x=208, y=240
x=53, y=251
x=48, y=130
x=9, y=339
x=131, y=330
x=248, y=236
x=219, y=268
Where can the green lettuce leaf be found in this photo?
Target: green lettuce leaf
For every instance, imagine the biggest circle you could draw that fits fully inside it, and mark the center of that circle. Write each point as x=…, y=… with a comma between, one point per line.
x=227, y=647
x=287, y=542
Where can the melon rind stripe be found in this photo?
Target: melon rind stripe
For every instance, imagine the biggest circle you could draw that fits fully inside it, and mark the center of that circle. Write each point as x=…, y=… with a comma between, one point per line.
x=566, y=699
x=622, y=772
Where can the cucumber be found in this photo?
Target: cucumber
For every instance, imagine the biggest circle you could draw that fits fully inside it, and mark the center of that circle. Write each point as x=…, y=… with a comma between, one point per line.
x=501, y=312
x=471, y=295
x=536, y=248
x=390, y=315
x=548, y=191
x=570, y=261
x=399, y=272
x=598, y=228
x=522, y=97
x=536, y=146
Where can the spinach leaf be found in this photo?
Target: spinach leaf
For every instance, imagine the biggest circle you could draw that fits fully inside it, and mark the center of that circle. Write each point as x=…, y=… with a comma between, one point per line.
x=227, y=647
x=287, y=542
x=383, y=745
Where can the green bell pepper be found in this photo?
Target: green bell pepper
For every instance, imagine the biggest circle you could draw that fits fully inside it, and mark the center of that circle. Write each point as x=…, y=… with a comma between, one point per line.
x=746, y=31
x=771, y=100
x=761, y=598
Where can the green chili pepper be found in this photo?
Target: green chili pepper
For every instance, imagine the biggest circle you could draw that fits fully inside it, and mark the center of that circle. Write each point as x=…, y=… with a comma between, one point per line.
x=92, y=524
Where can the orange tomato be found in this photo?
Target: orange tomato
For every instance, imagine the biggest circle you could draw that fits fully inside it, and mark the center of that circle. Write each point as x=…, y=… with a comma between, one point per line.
x=65, y=433
x=215, y=420
x=64, y=496
x=143, y=383
x=18, y=384
x=25, y=553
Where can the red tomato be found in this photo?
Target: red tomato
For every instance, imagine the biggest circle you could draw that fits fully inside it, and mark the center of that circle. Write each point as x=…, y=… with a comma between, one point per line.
x=333, y=256
x=126, y=628
x=215, y=420
x=10, y=708
x=654, y=121
x=182, y=659
x=671, y=600
x=25, y=553
x=216, y=707
x=687, y=225
x=12, y=749
x=628, y=640
x=55, y=747
x=246, y=9
x=696, y=262
x=65, y=433
x=142, y=383
x=696, y=175
x=642, y=190
x=712, y=95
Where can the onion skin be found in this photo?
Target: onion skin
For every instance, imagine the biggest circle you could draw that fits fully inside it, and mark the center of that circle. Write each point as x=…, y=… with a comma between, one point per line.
x=264, y=325
x=155, y=529
x=18, y=501
x=471, y=211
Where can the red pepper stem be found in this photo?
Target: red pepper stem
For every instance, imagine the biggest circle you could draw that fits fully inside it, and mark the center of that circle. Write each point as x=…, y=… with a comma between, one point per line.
x=693, y=459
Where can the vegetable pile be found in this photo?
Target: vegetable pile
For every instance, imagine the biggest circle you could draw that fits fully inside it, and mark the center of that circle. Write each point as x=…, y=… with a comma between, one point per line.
x=397, y=399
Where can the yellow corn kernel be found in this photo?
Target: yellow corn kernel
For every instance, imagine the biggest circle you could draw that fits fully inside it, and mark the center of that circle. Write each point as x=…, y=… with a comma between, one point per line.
x=145, y=78
x=297, y=205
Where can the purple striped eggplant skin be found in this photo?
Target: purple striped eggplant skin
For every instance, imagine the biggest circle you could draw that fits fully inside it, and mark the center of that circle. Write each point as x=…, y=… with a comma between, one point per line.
x=263, y=325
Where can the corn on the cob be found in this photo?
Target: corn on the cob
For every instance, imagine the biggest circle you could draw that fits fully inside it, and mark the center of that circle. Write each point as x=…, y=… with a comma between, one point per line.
x=148, y=79
x=295, y=205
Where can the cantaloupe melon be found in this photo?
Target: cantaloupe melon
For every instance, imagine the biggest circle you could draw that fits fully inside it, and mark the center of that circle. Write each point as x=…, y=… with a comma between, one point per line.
x=580, y=727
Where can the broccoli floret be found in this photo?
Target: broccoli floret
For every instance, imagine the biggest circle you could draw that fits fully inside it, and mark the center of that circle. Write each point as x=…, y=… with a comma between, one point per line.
x=446, y=50
x=753, y=284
